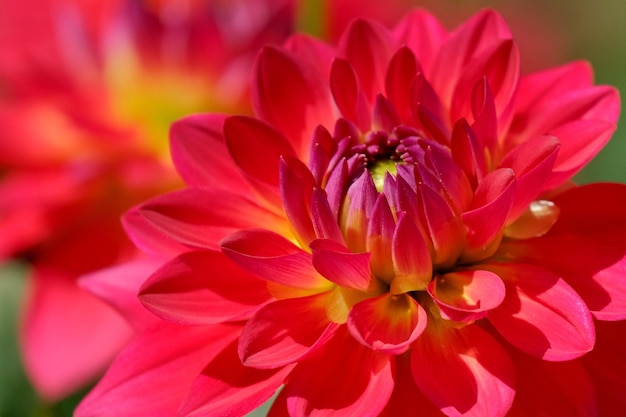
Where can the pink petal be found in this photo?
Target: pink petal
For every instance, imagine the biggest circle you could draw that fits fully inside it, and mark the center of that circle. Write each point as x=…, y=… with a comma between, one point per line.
x=541, y=314
x=273, y=258
x=489, y=210
x=256, y=148
x=411, y=258
x=290, y=95
x=137, y=379
x=227, y=388
x=367, y=46
x=555, y=389
x=119, y=285
x=467, y=295
x=580, y=141
x=465, y=43
x=445, y=228
x=148, y=238
x=347, y=93
x=607, y=367
x=387, y=323
x=380, y=232
x=402, y=70
x=285, y=331
x=60, y=316
x=423, y=33
x=343, y=378
x=324, y=221
x=201, y=158
x=464, y=372
x=468, y=152
x=337, y=264
x=532, y=163
x=203, y=287
x=200, y=218
x=296, y=189
x=361, y=198
x=594, y=265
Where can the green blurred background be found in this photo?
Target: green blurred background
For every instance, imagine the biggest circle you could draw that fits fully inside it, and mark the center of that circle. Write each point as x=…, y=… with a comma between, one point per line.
x=549, y=33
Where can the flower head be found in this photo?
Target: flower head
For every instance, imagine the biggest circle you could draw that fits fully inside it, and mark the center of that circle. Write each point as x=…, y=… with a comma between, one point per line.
x=394, y=233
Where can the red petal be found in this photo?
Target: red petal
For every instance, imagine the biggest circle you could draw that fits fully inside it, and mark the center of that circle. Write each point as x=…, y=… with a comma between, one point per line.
x=343, y=378
x=324, y=221
x=532, y=162
x=137, y=379
x=203, y=288
x=387, y=323
x=200, y=218
x=402, y=70
x=423, y=33
x=150, y=239
x=60, y=316
x=580, y=141
x=555, y=389
x=227, y=388
x=467, y=295
x=367, y=46
x=291, y=96
x=285, y=331
x=464, y=372
x=405, y=388
x=201, y=158
x=411, y=258
x=465, y=43
x=118, y=286
x=489, y=210
x=380, y=232
x=468, y=152
x=257, y=149
x=296, y=189
x=273, y=258
x=607, y=367
x=347, y=94
x=541, y=314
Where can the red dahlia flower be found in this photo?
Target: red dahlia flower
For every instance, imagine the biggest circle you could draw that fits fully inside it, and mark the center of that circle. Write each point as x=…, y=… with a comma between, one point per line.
x=393, y=234
x=88, y=90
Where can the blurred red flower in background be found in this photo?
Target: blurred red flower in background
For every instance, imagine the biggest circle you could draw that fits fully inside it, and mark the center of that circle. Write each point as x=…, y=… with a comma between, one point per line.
x=88, y=90
x=394, y=233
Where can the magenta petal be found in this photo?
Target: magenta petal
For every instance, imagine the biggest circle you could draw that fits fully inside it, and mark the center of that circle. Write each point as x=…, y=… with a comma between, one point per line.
x=465, y=372
x=337, y=264
x=285, y=331
x=555, y=389
x=138, y=378
x=273, y=258
x=387, y=323
x=402, y=70
x=411, y=258
x=379, y=238
x=291, y=96
x=149, y=238
x=342, y=378
x=200, y=218
x=580, y=141
x=607, y=367
x=324, y=221
x=423, y=33
x=199, y=154
x=59, y=316
x=532, y=163
x=467, y=295
x=227, y=388
x=541, y=314
x=296, y=189
x=489, y=210
x=367, y=46
x=203, y=287
x=347, y=94
x=257, y=148
x=118, y=286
